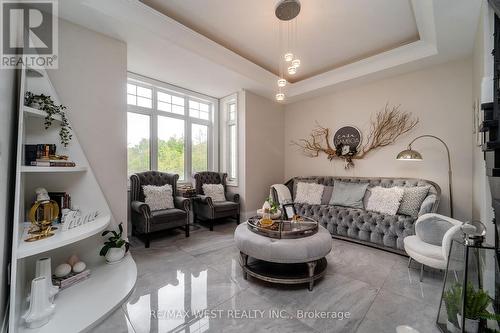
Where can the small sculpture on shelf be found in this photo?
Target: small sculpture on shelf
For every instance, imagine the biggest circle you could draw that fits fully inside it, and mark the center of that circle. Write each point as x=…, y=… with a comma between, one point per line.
x=74, y=218
x=70, y=272
x=41, y=215
x=43, y=267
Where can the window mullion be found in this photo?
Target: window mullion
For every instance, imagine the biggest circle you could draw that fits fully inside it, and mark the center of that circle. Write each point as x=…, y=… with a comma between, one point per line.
x=187, y=142
x=154, y=134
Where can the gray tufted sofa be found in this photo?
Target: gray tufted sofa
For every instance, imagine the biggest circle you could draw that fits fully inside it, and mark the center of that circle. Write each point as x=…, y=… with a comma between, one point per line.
x=366, y=227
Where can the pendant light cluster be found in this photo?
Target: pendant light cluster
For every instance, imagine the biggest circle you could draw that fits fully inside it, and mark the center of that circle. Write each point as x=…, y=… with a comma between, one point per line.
x=287, y=11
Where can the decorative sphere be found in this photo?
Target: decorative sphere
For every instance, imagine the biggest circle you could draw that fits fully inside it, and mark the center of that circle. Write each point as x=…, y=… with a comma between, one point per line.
x=62, y=270
x=79, y=267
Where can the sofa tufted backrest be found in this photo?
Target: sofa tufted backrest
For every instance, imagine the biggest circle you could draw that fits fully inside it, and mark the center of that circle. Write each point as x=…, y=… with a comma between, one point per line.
x=156, y=178
x=209, y=177
x=432, y=198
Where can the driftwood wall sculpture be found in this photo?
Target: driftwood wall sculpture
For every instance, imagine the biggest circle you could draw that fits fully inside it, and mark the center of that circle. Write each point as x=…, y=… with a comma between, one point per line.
x=385, y=128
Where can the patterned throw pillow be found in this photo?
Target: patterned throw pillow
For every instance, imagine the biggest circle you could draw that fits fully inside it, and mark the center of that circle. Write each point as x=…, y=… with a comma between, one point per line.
x=214, y=191
x=158, y=197
x=412, y=200
x=309, y=193
x=385, y=200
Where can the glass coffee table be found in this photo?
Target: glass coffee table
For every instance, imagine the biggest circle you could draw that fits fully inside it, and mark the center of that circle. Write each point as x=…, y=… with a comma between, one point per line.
x=286, y=252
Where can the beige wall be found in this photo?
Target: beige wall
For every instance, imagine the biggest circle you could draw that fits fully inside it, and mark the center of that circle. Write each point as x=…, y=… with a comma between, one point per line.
x=439, y=96
x=264, y=149
x=91, y=81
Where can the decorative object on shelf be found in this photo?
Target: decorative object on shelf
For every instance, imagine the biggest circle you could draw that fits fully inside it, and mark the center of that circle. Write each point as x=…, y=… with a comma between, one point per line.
x=40, y=309
x=466, y=301
x=269, y=204
x=62, y=270
x=412, y=155
x=72, y=260
x=387, y=127
x=41, y=215
x=43, y=268
x=74, y=218
x=187, y=191
x=45, y=103
x=32, y=153
x=287, y=11
x=79, y=267
x=115, y=247
x=71, y=279
x=289, y=211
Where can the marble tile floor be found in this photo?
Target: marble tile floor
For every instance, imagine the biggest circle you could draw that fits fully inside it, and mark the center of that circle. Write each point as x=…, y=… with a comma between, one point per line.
x=195, y=285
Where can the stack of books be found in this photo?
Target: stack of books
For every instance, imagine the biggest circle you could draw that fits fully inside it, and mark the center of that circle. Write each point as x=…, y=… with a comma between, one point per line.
x=71, y=279
x=52, y=163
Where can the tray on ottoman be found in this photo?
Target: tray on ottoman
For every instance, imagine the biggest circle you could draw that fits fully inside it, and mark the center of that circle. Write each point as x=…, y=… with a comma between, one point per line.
x=284, y=229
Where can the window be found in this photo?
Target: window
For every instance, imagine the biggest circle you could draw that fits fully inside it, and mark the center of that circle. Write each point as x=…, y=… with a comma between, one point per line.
x=229, y=105
x=169, y=129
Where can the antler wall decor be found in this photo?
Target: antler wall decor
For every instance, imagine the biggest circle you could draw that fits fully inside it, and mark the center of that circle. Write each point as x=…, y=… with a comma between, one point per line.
x=386, y=127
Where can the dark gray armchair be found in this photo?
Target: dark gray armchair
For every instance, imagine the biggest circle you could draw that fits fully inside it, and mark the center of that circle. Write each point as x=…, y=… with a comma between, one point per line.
x=207, y=210
x=145, y=221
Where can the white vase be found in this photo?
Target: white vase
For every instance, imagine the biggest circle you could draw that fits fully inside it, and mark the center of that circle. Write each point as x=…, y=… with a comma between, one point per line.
x=41, y=309
x=115, y=254
x=471, y=326
x=43, y=267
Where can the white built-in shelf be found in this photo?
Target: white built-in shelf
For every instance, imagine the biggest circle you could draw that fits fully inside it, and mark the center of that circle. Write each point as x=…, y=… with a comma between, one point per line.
x=34, y=169
x=32, y=112
x=80, y=306
x=61, y=238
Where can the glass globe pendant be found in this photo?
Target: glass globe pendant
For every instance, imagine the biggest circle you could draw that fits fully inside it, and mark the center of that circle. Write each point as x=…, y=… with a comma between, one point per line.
x=280, y=97
x=288, y=57
x=296, y=63
x=281, y=83
x=292, y=70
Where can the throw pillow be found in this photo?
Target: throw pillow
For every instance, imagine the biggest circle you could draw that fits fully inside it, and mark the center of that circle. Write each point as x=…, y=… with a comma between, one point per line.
x=214, y=191
x=309, y=193
x=348, y=194
x=327, y=195
x=158, y=197
x=385, y=200
x=412, y=200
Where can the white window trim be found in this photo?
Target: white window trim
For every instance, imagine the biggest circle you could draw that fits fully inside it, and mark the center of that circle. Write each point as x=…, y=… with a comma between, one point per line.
x=225, y=156
x=213, y=126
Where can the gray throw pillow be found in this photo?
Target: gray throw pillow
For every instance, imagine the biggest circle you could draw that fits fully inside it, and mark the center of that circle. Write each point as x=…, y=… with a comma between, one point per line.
x=327, y=195
x=412, y=200
x=348, y=194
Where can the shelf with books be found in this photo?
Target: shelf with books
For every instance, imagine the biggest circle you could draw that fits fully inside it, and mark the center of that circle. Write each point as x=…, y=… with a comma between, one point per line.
x=61, y=238
x=35, y=169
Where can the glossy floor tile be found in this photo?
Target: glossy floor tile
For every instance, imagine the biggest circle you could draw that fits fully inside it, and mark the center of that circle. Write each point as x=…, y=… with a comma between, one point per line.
x=196, y=285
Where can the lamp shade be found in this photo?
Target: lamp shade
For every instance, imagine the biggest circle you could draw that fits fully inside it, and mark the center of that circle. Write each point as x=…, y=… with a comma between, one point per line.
x=409, y=155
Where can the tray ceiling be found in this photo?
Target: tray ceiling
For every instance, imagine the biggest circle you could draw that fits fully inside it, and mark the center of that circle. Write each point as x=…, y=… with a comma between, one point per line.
x=332, y=33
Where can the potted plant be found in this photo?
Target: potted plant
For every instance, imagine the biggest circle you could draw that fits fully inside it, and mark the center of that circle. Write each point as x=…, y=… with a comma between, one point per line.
x=476, y=304
x=115, y=247
x=451, y=299
x=45, y=103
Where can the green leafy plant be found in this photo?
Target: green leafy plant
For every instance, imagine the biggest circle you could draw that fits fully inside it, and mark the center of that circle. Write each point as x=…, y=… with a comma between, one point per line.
x=452, y=298
x=45, y=103
x=115, y=241
x=274, y=205
x=476, y=303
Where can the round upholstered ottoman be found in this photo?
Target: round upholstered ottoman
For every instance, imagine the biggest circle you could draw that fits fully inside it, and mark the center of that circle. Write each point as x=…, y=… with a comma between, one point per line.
x=283, y=260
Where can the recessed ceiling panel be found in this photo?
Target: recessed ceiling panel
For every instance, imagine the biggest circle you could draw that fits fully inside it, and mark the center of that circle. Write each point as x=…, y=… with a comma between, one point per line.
x=331, y=33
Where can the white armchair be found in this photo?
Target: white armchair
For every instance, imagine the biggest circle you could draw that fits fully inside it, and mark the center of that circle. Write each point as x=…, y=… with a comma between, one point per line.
x=432, y=240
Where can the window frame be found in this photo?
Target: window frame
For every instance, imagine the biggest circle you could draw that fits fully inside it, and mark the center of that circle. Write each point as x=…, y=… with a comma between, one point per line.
x=154, y=113
x=225, y=138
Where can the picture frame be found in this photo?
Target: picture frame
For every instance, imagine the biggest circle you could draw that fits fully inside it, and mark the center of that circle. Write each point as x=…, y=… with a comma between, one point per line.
x=288, y=211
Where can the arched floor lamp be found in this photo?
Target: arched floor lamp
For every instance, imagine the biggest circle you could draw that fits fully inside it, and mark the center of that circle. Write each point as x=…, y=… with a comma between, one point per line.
x=412, y=155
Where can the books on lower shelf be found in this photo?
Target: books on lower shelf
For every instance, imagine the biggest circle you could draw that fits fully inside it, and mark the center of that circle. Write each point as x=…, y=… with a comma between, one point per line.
x=71, y=279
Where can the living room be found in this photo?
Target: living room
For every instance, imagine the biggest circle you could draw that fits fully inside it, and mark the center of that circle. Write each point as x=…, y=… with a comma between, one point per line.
x=220, y=166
